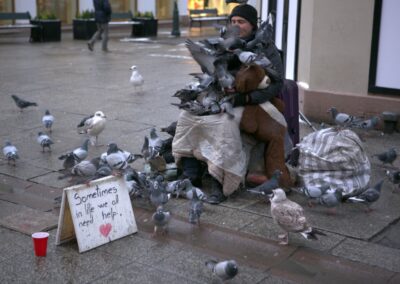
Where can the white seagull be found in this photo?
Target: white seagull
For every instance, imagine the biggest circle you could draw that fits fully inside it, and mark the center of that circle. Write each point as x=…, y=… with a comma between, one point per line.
x=93, y=125
x=136, y=78
x=290, y=217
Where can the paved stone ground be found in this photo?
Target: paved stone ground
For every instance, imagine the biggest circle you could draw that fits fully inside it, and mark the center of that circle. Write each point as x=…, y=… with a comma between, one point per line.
x=72, y=82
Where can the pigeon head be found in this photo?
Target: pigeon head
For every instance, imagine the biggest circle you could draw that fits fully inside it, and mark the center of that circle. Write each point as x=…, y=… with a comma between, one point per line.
x=153, y=133
x=277, y=174
x=231, y=268
x=8, y=143
x=99, y=114
x=333, y=111
x=112, y=148
x=278, y=195
x=40, y=133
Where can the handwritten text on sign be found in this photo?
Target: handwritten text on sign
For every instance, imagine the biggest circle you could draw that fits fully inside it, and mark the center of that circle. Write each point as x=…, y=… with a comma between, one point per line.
x=101, y=212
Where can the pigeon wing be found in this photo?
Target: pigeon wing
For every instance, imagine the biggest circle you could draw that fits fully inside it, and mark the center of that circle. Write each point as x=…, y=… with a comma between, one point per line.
x=201, y=56
x=289, y=216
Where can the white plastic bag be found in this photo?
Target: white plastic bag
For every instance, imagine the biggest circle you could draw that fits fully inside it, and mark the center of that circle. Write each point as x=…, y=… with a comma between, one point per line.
x=334, y=157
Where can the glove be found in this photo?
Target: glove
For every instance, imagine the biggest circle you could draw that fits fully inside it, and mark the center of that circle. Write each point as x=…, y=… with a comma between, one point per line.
x=241, y=100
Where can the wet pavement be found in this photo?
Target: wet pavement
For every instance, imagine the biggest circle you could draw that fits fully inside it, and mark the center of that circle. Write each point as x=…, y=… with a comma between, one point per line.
x=73, y=82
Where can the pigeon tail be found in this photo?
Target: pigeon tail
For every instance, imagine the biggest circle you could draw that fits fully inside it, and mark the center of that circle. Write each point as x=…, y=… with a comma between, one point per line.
x=311, y=234
x=210, y=264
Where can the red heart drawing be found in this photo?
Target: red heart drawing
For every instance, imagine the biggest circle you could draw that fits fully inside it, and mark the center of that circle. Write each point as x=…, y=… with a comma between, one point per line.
x=105, y=229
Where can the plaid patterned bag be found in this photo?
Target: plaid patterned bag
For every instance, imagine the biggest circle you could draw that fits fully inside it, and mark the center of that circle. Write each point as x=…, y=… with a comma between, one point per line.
x=334, y=157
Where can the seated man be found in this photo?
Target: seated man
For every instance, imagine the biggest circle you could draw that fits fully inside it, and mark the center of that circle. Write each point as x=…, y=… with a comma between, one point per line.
x=215, y=140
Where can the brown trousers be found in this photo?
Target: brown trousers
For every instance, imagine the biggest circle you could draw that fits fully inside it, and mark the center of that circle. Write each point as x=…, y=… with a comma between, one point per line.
x=258, y=123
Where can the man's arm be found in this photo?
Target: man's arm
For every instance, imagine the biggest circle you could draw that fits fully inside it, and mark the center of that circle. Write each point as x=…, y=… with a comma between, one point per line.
x=260, y=96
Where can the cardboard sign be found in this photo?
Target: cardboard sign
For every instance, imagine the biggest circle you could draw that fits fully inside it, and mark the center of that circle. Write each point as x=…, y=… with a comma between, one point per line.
x=96, y=214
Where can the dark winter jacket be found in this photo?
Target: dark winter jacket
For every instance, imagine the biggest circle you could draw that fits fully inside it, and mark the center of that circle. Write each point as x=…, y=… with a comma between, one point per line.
x=262, y=95
x=102, y=11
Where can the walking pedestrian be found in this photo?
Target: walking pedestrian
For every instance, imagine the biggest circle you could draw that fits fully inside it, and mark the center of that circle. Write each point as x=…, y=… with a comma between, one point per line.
x=102, y=15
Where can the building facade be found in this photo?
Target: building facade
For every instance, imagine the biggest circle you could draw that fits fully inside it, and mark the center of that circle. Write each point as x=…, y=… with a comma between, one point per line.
x=344, y=51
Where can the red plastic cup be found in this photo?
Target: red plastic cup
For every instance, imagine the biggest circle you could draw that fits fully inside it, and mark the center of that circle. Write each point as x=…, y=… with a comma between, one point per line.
x=40, y=243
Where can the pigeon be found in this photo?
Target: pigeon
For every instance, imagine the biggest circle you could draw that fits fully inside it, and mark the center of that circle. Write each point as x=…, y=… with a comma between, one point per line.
x=160, y=219
x=330, y=199
x=313, y=192
x=175, y=187
x=86, y=168
x=204, y=79
x=131, y=157
x=342, y=119
x=103, y=171
x=170, y=129
x=155, y=144
x=136, y=78
x=186, y=95
x=267, y=187
x=79, y=154
x=44, y=141
x=10, y=152
x=368, y=196
x=93, y=125
x=387, y=157
x=190, y=189
x=366, y=124
x=290, y=217
x=116, y=158
x=48, y=120
x=21, y=104
x=158, y=194
x=224, y=270
x=145, y=149
x=166, y=150
x=137, y=183
x=69, y=160
x=264, y=34
x=193, y=107
x=195, y=209
x=211, y=64
x=394, y=178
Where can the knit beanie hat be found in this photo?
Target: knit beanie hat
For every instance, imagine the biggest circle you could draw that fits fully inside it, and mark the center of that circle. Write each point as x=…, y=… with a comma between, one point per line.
x=247, y=12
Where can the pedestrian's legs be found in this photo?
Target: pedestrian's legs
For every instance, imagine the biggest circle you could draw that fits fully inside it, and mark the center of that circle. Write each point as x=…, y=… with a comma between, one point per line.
x=96, y=36
x=105, y=37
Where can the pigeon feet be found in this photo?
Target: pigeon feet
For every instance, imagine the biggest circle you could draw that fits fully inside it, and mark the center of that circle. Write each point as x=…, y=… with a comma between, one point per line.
x=284, y=239
x=90, y=46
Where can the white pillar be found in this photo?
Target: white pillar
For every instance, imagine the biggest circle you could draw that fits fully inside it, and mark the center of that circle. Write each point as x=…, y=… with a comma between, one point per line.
x=182, y=7
x=147, y=6
x=26, y=6
x=85, y=5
